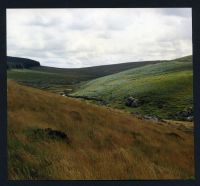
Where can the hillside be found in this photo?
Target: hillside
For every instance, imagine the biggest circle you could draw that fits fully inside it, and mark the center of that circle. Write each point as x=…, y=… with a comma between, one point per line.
x=96, y=71
x=63, y=79
x=20, y=63
x=163, y=89
x=54, y=137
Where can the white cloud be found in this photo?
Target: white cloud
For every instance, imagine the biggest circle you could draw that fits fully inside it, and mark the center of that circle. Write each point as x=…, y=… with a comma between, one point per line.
x=90, y=37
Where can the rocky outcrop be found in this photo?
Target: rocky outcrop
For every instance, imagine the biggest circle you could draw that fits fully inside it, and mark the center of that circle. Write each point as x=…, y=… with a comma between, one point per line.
x=186, y=114
x=153, y=118
x=132, y=102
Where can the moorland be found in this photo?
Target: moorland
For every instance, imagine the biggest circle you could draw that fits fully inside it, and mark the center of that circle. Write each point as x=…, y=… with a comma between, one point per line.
x=122, y=121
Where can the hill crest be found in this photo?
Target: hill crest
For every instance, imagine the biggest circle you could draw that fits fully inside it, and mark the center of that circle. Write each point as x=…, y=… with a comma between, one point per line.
x=20, y=63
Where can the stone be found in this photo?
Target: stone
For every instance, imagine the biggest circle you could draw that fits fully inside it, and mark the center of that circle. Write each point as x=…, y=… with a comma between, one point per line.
x=132, y=102
x=152, y=118
x=186, y=114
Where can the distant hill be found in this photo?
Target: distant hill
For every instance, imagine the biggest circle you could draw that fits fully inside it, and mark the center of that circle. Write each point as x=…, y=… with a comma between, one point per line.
x=163, y=89
x=20, y=63
x=63, y=79
x=96, y=71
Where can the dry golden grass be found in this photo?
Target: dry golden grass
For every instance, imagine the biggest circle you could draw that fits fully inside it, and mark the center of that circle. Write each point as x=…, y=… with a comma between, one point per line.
x=105, y=143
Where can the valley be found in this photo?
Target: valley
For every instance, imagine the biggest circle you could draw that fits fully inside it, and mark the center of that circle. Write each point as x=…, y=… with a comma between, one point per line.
x=68, y=124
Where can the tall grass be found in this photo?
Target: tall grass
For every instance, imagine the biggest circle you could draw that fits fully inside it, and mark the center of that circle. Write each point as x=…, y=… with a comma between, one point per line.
x=105, y=143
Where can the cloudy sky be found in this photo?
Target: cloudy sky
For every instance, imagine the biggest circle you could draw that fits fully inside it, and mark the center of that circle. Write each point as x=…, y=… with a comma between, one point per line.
x=73, y=38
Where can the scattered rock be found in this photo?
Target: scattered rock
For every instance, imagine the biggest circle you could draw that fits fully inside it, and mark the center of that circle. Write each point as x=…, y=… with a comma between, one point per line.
x=190, y=118
x=132, y=102
x=148, y=117
x=186, y=114
x=152, y=118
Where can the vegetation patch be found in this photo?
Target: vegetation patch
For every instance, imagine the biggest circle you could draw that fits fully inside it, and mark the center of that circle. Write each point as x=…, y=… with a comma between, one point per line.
x=75, y=115
x=174, y=135
x=48, y=133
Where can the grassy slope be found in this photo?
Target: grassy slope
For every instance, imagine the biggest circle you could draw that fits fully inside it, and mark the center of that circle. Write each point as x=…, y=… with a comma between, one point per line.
x=105, y=143
x=40, y=79
x=165, y=88
x=95, y=71
x=58, y=79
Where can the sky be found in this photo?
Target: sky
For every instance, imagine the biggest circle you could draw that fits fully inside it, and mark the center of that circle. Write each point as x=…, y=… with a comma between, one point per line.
x=74, y=38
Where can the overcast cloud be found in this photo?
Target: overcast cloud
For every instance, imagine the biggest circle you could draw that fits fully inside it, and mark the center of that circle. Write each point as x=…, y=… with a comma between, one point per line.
x=89, y=37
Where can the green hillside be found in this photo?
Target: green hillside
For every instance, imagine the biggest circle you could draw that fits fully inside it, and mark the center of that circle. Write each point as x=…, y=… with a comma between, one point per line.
x=88, y=73
x=56, y=82
x=63, y=79
x=164, y=88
